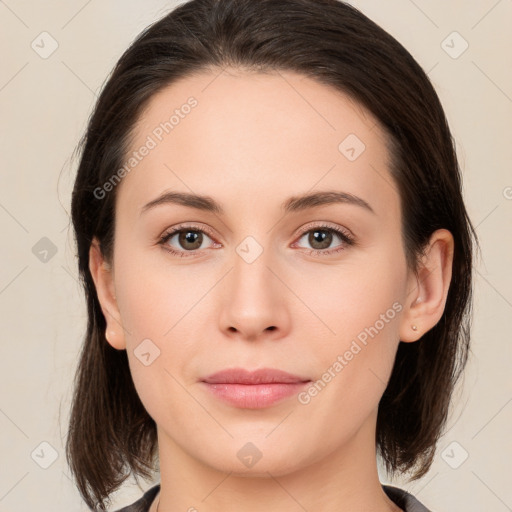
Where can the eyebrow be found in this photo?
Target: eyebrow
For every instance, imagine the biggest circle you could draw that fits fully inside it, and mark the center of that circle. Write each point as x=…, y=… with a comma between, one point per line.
x=291, y=205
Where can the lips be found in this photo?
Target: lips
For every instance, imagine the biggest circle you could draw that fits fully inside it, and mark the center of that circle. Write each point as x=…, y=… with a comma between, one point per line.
x=261, y=376
x=258, y=389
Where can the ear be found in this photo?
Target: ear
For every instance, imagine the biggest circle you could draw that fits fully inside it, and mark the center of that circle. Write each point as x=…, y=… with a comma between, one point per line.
x=102, y=275
x=428, y=288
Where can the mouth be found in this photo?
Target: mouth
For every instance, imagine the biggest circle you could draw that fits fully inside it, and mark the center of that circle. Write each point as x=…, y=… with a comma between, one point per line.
x=254, y=389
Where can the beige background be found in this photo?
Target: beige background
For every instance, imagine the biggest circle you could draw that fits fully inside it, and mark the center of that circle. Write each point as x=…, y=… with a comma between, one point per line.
x=44, y=105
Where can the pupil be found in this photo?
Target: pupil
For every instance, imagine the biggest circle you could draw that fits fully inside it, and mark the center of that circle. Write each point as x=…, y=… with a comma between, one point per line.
x=189, y=237
x=324, y=238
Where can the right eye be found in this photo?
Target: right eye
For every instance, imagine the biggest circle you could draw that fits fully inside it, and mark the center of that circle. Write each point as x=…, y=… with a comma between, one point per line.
x=189, y=238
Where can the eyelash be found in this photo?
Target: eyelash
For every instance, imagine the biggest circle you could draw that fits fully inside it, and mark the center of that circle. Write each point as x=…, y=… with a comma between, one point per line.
x=347, y=239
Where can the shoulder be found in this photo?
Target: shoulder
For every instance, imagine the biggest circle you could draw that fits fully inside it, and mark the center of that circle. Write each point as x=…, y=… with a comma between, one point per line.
x=142, y=504
x=404, y=500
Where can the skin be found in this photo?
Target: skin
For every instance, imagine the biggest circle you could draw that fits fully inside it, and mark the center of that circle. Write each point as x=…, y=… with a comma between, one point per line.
x=253, y=141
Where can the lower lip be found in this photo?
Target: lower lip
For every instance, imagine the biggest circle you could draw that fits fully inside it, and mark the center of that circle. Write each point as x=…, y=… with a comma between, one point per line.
x=254, y=396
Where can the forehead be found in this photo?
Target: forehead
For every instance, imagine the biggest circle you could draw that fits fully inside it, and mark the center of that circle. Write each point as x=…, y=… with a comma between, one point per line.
x=245, y=137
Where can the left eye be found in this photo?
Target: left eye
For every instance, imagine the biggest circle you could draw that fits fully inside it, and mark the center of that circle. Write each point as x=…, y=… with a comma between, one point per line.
x=320, y=238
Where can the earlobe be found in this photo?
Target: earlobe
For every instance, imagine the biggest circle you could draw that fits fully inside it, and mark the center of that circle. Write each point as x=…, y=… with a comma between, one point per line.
x=101, y=273
x=428, y=291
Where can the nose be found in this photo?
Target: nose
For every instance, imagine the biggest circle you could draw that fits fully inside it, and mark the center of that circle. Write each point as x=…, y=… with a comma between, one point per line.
x=255, y=299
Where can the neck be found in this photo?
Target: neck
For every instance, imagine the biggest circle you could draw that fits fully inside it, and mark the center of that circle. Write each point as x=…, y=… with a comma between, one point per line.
x=341, y=480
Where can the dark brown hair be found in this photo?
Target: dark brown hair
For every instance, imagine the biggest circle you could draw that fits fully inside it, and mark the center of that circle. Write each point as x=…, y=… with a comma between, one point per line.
x=110, y=434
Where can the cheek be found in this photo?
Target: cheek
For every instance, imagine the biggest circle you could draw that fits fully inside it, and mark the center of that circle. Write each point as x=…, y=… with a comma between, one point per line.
x=354, y=366
x=364, y=324
x=349, y=299
x=156, y=307
x=154, y=296
x=361, y=306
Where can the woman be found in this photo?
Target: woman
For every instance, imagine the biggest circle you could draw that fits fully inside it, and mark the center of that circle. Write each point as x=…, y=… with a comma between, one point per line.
x=277, y=262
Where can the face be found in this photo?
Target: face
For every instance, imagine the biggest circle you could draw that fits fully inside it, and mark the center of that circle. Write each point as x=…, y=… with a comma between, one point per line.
x=266, y=280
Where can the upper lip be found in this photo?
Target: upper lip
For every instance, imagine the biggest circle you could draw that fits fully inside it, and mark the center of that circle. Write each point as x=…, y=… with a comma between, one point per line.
x=261, y=376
